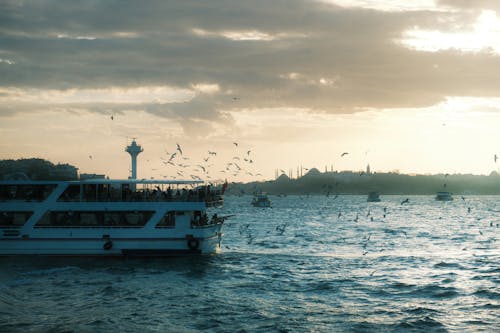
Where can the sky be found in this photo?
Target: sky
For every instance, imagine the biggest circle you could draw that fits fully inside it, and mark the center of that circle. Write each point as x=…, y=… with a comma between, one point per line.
x=406, y=86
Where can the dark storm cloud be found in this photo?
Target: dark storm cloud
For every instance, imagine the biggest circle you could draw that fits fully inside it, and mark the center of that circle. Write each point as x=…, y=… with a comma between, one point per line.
x=345, y=58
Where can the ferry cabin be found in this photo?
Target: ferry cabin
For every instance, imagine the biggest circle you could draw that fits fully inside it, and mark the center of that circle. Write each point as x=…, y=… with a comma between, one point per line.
x=109, y=218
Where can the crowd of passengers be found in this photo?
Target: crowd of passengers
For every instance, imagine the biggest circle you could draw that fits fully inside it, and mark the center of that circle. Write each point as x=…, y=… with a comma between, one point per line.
x=204, y=193
x=202, y=219
x=25, y=192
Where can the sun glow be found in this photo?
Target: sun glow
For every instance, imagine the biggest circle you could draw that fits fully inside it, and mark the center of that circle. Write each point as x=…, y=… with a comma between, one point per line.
x=485, y=37
x=389, y=6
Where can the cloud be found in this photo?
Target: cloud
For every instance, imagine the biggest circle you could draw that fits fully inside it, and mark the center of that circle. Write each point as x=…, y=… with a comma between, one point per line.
x=237, y=55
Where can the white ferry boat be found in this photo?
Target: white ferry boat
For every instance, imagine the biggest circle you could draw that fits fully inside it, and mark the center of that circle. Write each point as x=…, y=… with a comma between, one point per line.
x=103, y=217
x=261, y=200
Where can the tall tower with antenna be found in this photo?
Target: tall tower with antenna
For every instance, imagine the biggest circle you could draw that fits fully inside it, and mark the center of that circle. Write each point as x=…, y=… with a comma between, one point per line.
x=134, y=149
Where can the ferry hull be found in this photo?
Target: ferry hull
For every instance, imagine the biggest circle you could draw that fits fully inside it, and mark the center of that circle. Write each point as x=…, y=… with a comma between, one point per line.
x=111, y=247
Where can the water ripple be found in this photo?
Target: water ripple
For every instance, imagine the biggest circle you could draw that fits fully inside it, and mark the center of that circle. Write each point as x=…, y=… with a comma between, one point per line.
x=421, y=268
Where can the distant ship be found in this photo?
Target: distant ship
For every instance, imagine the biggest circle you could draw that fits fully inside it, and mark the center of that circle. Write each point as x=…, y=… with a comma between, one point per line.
x=373, y=197
x=261, y=200
x=444, y=196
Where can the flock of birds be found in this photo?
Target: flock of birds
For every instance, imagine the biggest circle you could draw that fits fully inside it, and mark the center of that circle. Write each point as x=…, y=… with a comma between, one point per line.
x=240, y=163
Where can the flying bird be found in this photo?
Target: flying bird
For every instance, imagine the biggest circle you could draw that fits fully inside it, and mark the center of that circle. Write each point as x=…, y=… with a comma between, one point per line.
x=172, y=157
x=343, y=154
x=235, y=144
x=212, y=153
x=407, y=200
x=179, y=148
x=495, y=158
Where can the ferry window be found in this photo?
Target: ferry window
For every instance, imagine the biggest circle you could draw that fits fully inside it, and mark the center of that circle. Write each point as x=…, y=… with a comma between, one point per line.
x=88, y=218
x=4, y=192
x=167, y=221
x=14, y=219
x=25, y=192
x=58, y=219
x=72, y=193
x=94, y=219
x=113, y=218
x=137, y=218
x=44, y=221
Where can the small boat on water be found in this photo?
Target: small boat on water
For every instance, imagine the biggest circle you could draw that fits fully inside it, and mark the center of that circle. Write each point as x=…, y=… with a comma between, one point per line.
x=261, y=200
x=444, y=196
x=102, y=217
x=373, y=197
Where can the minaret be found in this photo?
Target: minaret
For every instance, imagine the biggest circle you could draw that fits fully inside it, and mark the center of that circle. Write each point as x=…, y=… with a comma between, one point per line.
x=134, y=149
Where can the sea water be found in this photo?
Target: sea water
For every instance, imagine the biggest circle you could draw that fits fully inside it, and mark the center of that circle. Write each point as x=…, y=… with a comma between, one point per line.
x=308, y=264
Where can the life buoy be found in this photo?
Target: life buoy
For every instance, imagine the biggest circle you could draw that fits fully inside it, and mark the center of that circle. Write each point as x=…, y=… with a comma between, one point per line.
x=108, y=245
x=193, y=243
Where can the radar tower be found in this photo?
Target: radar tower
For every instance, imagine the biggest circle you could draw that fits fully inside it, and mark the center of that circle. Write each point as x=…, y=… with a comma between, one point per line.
x=134, y=149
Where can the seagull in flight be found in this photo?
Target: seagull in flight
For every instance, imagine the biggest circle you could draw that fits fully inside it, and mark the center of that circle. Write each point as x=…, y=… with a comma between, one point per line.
x=179, y=148
x=407, y=200
x=343, y=154
x=212, y=153
x=495, y=158
x=172, y=157
x=235, y=143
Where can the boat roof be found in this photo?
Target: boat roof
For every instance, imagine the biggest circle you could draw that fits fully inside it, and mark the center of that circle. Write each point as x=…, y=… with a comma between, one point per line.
x=101, y=181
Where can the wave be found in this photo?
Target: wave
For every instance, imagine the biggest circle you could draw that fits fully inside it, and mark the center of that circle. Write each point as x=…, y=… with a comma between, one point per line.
x=420, y=325
x=485, y=293
x=443, y=264
x=426, y=291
